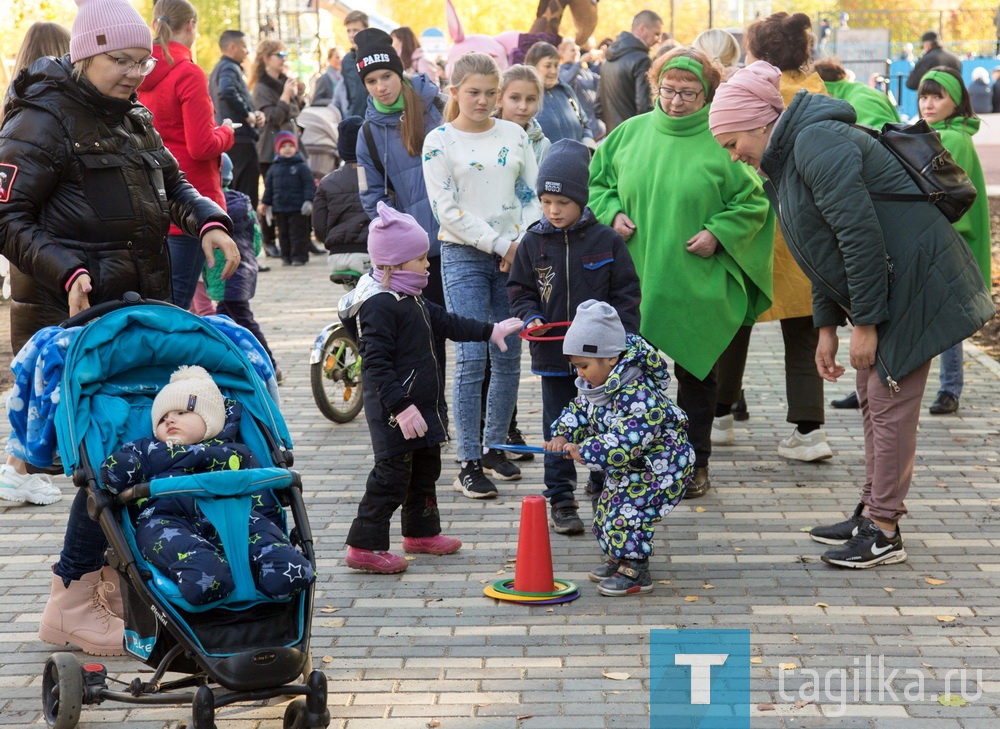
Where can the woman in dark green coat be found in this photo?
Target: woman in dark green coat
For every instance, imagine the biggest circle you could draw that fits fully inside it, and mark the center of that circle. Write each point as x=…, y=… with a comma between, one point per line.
x=898, y=270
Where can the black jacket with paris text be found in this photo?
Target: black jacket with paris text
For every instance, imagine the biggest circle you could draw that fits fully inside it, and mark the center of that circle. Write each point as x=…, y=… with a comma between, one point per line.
x=555, y=270
x=85, y=183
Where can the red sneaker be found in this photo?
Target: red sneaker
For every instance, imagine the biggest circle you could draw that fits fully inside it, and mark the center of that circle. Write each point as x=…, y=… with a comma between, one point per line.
x=439, y=544
x=384, y=563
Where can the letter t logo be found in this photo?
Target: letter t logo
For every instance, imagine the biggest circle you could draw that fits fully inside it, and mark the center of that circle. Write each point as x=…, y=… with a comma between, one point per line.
x=701, y=673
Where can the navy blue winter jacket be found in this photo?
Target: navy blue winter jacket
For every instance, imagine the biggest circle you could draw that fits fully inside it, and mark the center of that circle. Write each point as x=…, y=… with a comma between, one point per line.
x=288, y=184
x=554, y=271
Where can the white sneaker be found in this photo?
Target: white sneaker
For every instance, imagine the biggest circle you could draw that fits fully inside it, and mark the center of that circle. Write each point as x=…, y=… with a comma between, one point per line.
x=723, y=431
x=812, y=447
x=33, y=488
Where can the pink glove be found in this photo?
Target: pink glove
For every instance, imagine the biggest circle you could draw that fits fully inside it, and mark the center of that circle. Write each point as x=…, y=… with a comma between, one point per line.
x=412, y=423
x=503, y=329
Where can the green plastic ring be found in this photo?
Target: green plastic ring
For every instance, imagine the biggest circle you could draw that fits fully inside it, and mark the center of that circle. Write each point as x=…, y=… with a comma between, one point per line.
x=505, y=587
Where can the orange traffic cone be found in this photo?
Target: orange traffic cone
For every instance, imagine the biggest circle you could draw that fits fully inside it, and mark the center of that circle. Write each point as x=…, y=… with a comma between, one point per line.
x=533, y=571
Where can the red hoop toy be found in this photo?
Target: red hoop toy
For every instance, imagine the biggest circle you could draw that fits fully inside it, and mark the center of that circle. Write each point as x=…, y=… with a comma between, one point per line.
x=536, y=334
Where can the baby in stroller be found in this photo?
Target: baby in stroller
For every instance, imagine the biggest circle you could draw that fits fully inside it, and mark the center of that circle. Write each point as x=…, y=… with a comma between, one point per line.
x=195, y=431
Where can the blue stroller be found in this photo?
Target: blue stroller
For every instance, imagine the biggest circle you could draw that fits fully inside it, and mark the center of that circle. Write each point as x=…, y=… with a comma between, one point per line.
x=243, y=648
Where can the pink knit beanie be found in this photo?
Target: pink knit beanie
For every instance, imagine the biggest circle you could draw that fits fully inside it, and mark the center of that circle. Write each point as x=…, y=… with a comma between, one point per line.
x=107, y=25
x=395, y=237
x=750, y=99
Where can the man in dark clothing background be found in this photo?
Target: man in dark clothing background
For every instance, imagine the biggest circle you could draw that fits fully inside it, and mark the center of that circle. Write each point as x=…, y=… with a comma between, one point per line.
x=934, y=55
x=624, y=87
x=351, y=96
x=232, y=99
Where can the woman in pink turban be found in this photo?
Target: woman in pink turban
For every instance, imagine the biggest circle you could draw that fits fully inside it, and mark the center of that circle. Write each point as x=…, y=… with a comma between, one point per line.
x=897, y=270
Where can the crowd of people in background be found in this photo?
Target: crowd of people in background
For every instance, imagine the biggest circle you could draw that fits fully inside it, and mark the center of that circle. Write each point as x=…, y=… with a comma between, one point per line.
x=632, y=182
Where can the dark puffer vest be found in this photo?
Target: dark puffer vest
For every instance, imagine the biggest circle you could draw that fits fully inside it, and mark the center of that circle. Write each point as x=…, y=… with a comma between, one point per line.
x=88, y=185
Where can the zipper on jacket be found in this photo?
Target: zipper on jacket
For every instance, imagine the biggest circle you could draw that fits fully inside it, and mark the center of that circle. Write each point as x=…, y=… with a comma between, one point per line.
x=569, y=314
x=437, y=367
x=893, y=385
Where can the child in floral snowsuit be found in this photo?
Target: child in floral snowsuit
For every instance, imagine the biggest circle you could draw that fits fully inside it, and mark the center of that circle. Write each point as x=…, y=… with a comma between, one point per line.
x=623, y=422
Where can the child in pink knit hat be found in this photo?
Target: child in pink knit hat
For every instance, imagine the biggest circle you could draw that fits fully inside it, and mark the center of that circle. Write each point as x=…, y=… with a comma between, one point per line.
x=395, y=327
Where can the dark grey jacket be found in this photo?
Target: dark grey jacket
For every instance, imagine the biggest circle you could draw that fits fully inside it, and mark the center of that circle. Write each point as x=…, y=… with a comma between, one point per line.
x=898, y=265
x=936, y=56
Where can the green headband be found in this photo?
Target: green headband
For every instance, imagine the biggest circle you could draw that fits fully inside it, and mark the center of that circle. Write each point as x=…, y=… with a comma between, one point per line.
x=686, y=64
x=948, y=82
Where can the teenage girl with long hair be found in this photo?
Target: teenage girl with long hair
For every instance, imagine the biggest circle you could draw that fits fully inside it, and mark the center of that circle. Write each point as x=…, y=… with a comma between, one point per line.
x=480, y=174
x=944, y=103
x=521, y=94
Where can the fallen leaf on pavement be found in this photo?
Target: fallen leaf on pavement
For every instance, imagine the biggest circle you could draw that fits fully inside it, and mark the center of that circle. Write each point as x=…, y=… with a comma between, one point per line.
x=756, y=659
x=786, y=666
x=616, y=675
x=945, y=618
x=951, y=700
x=765, y=707
x=691, y=598
x=821, y=605
x=932, y=581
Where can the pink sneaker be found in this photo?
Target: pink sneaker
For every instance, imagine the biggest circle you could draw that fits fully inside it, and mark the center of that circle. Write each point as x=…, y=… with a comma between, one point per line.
x=384, y=563
x=439, y=544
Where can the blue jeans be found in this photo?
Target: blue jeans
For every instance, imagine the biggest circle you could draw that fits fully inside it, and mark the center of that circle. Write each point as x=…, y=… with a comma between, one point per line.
x=84, y=545
x=474, y=287
x=952, y=374
x=186, y=261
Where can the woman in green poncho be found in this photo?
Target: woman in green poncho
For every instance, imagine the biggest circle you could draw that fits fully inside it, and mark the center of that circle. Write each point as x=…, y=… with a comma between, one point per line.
x=700, y=233
x=872, y=106
x=944, y=104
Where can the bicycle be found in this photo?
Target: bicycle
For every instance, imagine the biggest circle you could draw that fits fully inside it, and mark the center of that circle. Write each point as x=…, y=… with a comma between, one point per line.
x=335, y=366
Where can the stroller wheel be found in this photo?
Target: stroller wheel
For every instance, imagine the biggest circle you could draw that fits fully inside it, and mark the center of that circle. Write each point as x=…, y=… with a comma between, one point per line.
x=203, y=709
x=62, y=691
x=296, y=715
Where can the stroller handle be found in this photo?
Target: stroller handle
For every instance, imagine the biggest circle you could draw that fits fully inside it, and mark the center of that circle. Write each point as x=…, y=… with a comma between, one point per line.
x=129, y=298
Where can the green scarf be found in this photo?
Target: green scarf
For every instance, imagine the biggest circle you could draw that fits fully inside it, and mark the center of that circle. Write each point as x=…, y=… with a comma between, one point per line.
x=396, y=106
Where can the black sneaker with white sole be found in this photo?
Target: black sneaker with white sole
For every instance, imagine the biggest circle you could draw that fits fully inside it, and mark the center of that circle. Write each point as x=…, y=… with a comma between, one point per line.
x=841, y=531
x=870, y=547
x=495, y=463
x=516, y=437
x=473, y=483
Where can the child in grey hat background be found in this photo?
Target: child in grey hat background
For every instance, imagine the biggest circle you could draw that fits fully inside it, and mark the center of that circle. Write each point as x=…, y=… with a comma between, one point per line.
x=623, y=422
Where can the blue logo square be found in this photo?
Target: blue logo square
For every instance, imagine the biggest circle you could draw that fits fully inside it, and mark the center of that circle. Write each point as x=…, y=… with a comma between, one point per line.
x=699, y=679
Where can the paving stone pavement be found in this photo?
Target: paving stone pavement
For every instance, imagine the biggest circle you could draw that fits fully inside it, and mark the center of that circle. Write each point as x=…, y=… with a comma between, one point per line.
x=425, y=648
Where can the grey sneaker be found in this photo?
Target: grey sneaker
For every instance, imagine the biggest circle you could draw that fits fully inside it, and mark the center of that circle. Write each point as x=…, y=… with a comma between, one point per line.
x=808, y=448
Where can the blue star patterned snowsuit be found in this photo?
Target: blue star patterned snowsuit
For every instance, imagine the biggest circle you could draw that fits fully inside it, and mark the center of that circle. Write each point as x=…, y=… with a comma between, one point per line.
x=174, y=536
x=632, y=430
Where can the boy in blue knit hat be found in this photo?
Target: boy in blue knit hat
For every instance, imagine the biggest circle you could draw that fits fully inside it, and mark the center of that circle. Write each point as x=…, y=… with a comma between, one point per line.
x=565, y=259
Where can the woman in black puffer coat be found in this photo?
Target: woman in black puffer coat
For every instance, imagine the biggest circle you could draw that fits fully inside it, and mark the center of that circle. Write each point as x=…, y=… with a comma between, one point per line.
x=88, y=193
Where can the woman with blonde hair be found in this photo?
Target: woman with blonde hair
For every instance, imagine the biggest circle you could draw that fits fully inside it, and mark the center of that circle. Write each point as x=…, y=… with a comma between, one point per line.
x=176, y=91
x=722, y=47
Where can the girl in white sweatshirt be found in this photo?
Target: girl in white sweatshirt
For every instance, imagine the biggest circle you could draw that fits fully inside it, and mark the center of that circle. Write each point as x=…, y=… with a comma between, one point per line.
x=480, y=176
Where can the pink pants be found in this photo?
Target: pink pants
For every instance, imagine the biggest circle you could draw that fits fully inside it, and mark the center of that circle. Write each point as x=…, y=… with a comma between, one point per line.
x=890, y=424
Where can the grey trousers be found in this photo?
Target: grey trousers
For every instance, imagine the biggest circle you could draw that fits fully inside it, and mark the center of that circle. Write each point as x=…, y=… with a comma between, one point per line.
x=890, y=424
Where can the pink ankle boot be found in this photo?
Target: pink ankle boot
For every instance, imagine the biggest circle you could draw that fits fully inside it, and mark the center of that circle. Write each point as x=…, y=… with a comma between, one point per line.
x=383, y=563
x=77, y=615
x=438, y=544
